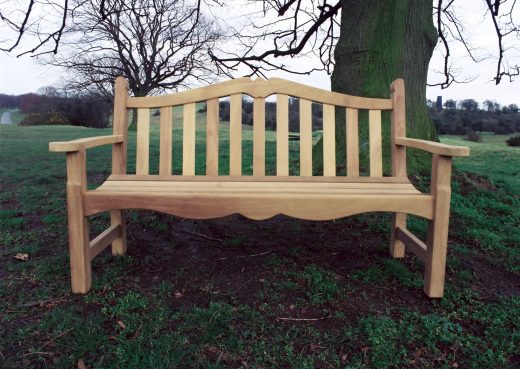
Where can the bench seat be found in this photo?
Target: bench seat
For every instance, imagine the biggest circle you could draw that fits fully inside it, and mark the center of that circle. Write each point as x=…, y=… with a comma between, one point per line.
x=312, y=198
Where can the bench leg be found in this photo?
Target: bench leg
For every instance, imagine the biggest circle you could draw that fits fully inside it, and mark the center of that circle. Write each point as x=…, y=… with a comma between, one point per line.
x=437, y=245
x=397, y=246
x=117, y=217
x=79, y=244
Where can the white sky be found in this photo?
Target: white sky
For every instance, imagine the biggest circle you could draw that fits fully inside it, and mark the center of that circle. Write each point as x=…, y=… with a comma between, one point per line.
x=22, y=75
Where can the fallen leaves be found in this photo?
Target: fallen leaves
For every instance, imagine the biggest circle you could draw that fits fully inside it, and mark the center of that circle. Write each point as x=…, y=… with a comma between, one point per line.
x=22, y=257
x=81, y=364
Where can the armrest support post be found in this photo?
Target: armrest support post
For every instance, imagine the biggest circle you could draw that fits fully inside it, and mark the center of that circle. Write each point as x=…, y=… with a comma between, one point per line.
x=437, y=244
x=78, y=224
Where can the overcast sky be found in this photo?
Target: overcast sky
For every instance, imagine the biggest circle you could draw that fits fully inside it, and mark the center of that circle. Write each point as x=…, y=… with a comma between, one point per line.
x=22, y=75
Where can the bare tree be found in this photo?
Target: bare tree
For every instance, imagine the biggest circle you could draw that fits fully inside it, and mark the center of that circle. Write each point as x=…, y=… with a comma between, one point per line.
x=155, y=44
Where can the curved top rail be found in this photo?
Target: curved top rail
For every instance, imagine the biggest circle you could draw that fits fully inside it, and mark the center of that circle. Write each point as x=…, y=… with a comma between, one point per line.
x=260, y=88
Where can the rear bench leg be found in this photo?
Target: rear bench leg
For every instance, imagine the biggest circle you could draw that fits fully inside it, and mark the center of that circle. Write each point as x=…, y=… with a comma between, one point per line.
x=397, y=246
x=437, y=245
x=117, y=217
x=79, y=245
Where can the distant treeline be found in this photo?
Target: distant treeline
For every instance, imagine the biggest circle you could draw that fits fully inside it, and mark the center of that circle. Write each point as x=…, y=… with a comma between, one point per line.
x=270, y=114
x=88, y=111
x=454, y=118
x=467, y=116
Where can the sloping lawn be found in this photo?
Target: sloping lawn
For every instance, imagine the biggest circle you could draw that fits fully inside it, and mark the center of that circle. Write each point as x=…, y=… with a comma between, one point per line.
x=235, y=293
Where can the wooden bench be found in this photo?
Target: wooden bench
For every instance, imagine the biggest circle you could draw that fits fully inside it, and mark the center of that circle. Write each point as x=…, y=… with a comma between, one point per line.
x=258, y=196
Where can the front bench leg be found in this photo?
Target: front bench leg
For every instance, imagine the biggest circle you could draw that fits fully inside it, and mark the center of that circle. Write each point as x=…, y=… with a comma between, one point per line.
x=78, y=223
x=437, y=244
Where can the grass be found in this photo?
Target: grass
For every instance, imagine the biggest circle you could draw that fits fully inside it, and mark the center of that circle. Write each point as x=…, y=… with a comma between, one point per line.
x=180, y=301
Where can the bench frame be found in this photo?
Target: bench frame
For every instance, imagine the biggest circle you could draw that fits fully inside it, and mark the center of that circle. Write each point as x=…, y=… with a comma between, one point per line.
x=436, y=208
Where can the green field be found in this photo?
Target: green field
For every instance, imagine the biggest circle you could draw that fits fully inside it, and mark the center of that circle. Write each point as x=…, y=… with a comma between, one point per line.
x=234, y=293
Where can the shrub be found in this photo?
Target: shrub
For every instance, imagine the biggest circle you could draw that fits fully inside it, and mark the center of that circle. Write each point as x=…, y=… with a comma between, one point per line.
x=472, y=135
x=514, y=140
x=34, y=119
x=57, y=118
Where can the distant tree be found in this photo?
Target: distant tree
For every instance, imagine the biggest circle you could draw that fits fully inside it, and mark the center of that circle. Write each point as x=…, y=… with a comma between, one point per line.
x=450, y=104
x=491, y=106
x=154, y=44
x=468, y=105
x=512, y=108
x=50, y=91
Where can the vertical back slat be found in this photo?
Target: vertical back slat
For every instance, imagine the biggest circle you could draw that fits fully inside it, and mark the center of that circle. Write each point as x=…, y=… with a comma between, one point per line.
x=188, y=140
x=305, y=138
x=376, y=154
x=259, y=137
x=165, y=144
x=235, y=135
x=398, y=128
x=329, y=144
x=212, y=119
x=143, y=141
x=352, y=130
x=282, y=135
x=120, y=126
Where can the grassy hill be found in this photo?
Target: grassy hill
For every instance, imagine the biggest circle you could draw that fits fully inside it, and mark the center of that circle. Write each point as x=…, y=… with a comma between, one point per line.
x=234, y=293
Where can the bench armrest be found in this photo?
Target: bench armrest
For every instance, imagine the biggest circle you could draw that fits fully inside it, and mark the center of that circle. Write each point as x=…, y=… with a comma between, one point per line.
x=433, y=147
x=84, y=143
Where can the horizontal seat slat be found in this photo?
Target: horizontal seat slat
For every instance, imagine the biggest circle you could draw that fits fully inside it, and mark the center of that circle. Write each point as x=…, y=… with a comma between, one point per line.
x=304, y=179
x=260, y=185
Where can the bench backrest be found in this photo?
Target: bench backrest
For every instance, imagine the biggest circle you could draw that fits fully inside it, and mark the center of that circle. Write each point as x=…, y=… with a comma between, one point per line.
x=259, y=90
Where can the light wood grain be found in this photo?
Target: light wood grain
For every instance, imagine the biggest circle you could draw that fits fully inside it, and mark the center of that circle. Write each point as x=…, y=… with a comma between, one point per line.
x=305, y=137
x=375, y=147
x=259, y=136
x=352, y=130
x=165, y=141
x=433, y=147
x=329, y=143
x=398, y=128
x=262, y=89
x=104, y=239
x=397, y=247
x=119, y=155
x=188, y=140
x=120, y=126
x=282, y=135
x=259, y=206
x=435, y=263
x=258, y=187
x=212, y=119
x=259, y=196
x=412, y=243
x=235, y=135
x=223, y=179
x=143, y=142
x=84, y=143
x=80, y=269
x=118, y=219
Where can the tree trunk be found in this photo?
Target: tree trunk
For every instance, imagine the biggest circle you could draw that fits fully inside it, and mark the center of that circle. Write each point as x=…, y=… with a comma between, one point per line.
x=379, y=42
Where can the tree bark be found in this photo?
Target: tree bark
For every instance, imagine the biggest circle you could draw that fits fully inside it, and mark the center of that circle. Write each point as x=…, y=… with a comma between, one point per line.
x=379, y=42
